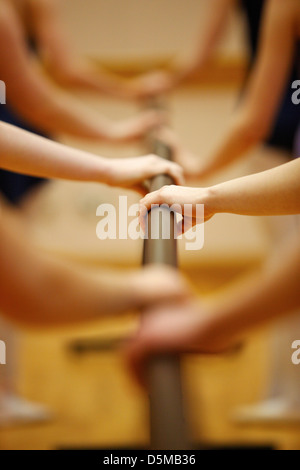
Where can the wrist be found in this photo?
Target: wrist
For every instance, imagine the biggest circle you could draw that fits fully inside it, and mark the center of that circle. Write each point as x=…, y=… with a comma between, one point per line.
x=191, y=68
x=211, y=331
x=201, y=333
x=119, y=132
x=210, y=198
x=216, y=200
x=106, y=171
x=138, y=289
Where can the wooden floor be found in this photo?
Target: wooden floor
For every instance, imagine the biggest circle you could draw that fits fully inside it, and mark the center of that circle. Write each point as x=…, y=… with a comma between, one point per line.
x=94, y=401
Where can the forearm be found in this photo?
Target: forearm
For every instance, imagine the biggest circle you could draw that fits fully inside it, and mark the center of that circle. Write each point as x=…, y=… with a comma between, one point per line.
x=59, y=57
x=70, y=294
x=273, y=192
x=87, y=77
x=269, y=294
x=42, y=291
x=216, y=21
x=52, y=293
x=242, y=135
x=254, y=119
x=24, y=152
x=34, y=97
x=54, y=111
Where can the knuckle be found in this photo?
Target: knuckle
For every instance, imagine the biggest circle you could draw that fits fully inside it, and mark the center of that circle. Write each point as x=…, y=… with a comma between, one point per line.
x=177, y=167
x=163, y=191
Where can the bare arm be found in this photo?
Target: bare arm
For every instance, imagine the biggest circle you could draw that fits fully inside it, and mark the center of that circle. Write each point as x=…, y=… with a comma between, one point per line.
x=42, y=104
x=55, y=50
x=40, y=291
x=160, y=82
x=272, y=192
x=270, y=294
x=59, y=58
x=24, y=152
x=190, y=327
x=215, y=24
x=253, y=120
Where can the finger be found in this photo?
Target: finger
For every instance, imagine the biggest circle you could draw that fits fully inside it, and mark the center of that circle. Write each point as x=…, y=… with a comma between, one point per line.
x=143, y=218
x=155, y=117
x=135, y=358
x=138, y=354
x=179, y=228
x=177, y=174
x=151, y=199
x=184, y=225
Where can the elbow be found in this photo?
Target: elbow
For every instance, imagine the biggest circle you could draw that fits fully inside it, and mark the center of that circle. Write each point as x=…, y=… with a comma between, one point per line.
x=42, y=116
x=30, y=110
x=34, y=304
x=35, y=104
x=23, y=313
x=64, y=74
x=62, y=77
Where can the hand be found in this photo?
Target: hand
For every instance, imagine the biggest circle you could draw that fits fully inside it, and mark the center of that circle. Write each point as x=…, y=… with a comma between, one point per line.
x=190, y=162
x=136, y=128
x=152, y=84
x=184, y=201
x=155, y=284
x=173, y=328
x=132, y=172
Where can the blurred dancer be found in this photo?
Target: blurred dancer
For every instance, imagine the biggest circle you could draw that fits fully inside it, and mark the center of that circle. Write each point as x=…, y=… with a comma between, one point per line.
x=53, y=293
x=282, y=131
x=269, y=193
x=35, y=59
x=30, y=36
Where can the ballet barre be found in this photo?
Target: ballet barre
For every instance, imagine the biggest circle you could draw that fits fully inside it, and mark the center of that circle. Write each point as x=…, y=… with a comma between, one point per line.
x=167, y=417
x=168, y=429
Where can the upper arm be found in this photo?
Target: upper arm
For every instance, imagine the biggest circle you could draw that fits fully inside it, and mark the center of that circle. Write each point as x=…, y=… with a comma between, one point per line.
x=273, y=65
x=27, y=89
x=217, y=19
x=15, y=61
x=49, y=33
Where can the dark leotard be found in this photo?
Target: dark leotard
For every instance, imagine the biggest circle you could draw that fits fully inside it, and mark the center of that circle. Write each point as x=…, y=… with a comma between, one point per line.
x=284, y=132
x=14, y=185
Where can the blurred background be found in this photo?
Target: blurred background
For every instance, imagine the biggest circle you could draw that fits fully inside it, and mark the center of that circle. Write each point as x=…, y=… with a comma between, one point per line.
x=94, y=401
x=137, y=33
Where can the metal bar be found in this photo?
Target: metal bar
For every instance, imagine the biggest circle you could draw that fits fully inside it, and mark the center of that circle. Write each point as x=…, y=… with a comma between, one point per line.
x=96, y=345
x=168, y=427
